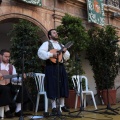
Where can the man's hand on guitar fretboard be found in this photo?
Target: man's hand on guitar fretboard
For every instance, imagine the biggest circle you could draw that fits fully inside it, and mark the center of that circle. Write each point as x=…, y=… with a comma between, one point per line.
x=64, y=50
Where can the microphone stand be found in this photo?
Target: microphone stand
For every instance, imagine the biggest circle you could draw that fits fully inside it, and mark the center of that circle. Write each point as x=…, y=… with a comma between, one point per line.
x=46, y=114
x=57, y=62
x=58, y=115
x=108, y=107
x=80, y=93
x=21, y=116
x=58, y=89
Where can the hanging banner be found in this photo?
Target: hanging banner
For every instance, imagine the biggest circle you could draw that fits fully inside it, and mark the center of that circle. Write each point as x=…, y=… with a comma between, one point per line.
x=34, y=2
x=96, y=11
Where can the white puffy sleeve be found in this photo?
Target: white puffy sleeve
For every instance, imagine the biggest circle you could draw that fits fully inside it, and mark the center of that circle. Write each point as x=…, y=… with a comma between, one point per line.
x=66, y=55
x=43, y=52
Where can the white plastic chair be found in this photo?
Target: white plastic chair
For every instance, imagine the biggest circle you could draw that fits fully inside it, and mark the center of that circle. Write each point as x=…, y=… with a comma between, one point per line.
x=39, y=79
x=2, y=111
x=76, y=82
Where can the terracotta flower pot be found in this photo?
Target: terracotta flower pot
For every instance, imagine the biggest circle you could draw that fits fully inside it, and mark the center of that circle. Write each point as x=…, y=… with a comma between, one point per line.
x=70, y=101
x=111, y=96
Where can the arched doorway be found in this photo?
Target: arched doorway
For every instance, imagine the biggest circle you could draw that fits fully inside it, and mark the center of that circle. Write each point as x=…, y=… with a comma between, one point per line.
x=7, y=24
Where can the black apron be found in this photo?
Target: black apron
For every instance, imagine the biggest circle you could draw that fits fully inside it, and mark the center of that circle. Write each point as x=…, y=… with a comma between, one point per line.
x=56, y=85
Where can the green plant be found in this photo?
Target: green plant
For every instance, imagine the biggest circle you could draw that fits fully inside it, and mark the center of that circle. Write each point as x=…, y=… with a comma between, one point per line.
x=24, y=44
x=103, y=55
x=72, y=29
x=25, y=40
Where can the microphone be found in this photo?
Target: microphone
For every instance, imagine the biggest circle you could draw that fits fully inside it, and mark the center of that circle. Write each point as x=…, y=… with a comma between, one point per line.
x=114, y=41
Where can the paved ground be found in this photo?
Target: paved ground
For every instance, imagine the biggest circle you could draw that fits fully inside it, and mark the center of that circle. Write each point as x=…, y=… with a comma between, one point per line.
x=88, y=114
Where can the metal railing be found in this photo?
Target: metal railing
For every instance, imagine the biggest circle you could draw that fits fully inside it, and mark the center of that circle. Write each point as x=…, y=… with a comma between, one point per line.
x=114, y=3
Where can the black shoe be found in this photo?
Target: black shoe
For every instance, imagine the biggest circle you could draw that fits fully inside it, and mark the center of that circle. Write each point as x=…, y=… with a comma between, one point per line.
x=54, y=111
x=64, y=109
x=8, y=114
x=18, y=114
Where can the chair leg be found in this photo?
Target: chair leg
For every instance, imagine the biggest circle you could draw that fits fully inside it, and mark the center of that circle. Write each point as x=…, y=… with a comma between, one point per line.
x=84, y=100
x=37, y=102
x=76, y=100
x=60, y=108
x=2, y=111
x=46, y=103
x=94, y=100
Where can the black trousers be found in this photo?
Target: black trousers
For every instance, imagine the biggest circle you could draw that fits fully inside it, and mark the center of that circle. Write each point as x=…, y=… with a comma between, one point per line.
x=19, y=96
x=5, y=95
x=8, y=92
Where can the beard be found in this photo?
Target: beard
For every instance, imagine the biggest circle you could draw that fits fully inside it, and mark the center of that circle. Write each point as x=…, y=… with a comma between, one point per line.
x=54, y=38
x=5, y=61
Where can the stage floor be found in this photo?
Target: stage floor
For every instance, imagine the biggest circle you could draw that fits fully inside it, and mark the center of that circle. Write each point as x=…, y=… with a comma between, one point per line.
x=83, y=115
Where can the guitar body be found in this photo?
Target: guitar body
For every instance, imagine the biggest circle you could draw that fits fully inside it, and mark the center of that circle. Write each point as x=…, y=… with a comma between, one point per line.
x=68, y=45
x=54, y=59
x=2, y=80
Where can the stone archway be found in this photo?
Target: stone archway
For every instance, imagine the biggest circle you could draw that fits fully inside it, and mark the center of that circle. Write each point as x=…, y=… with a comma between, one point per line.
x=6, y=22
x=17, y=15
x=38, y=15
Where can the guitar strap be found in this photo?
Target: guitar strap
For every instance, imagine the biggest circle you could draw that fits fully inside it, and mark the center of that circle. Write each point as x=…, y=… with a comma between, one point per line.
x=10, y=69
x=50, y=45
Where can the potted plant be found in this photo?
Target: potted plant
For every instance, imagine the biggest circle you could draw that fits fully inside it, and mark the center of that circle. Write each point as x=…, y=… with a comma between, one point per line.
x=25, y=41
x=72, y=29
x=103, y=56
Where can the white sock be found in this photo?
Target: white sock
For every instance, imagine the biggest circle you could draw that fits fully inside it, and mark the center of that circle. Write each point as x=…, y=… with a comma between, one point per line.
x=53, y=104
x=18, y=107
x=62, y=102
x=7, y=108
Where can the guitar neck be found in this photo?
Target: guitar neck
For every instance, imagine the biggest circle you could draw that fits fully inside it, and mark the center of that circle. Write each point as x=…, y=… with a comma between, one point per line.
x=10, y=76
x=68, y=45
x=17, y=75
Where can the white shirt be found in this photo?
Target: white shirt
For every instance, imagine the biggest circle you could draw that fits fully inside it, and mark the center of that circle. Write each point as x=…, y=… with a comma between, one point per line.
x=44, y=54
x=6, y=67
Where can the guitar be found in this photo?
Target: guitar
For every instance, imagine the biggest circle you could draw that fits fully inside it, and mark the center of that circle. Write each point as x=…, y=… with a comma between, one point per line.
x=54, y=60
x=2, y=80
x=5, y=77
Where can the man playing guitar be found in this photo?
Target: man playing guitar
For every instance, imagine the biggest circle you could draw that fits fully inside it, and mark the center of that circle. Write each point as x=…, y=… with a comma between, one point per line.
x=5, y=85
x=47, y=51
